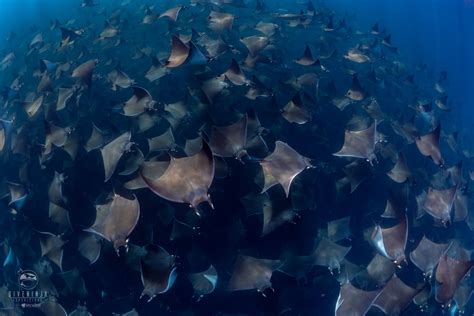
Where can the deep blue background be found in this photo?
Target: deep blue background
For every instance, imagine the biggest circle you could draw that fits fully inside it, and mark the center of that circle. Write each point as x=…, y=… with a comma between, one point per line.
x=437, y=32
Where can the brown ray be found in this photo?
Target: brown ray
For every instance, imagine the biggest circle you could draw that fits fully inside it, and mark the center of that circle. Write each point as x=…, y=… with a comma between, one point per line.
x=400, y=172
x=396, y=203
x=171, y=14
x=267, y=28
x=427, y=254
x=380, y=269
x=395, y=297
x=213, y=87
x=116, y=219
x=356, y=92
x=186, y=180
x=163, y=142
x=306, y=58
x=374, y=110
x=108, y=32
x=181, y=54
x=282, y=166
x=439, y=203
x=295, y=112
x=113, y=151
x=220, y=21
x=330, y=254
x=118, y=78
x=235, y=74
x=255, y=43
x=153, y=169
x=156, y=71
x=96, y=139
x=32, y=108
x=56, y=136
x=449, y=274
x=83, y=72
x=428, y=145
x=229, y=141
x=140, y=102
x=45, y=84
x=356, y=55
x=391, y=242
x=353, y=301
x=158, y=271
x=360, y=144
x=252, y=273
x=64, y=94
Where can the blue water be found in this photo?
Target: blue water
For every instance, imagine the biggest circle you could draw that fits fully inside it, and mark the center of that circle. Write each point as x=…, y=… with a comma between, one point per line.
x=439, y=33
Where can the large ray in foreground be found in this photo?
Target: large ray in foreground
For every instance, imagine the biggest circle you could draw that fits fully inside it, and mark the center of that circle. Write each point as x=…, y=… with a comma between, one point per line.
x=186, y=180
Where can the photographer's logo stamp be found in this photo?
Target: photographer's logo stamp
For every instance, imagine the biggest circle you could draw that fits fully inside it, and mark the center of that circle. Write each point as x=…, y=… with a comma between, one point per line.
x=27, y=279
x=27, y=295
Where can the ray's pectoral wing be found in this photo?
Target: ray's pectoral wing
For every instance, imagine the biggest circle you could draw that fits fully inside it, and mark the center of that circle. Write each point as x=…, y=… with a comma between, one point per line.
x=116, y=219
x=282, y=166
x=186, y=180
x=112, y=152
x=358, y=144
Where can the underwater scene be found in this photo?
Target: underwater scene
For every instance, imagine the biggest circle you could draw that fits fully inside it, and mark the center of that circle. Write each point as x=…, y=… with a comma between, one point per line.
x=236, y=157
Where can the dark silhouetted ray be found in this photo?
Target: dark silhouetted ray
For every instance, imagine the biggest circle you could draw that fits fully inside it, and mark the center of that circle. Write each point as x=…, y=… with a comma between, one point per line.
x=229, y=141
x=252, y=274
x=330, y=254
x=356, y=92
x=204, y=282
x=158, y=271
